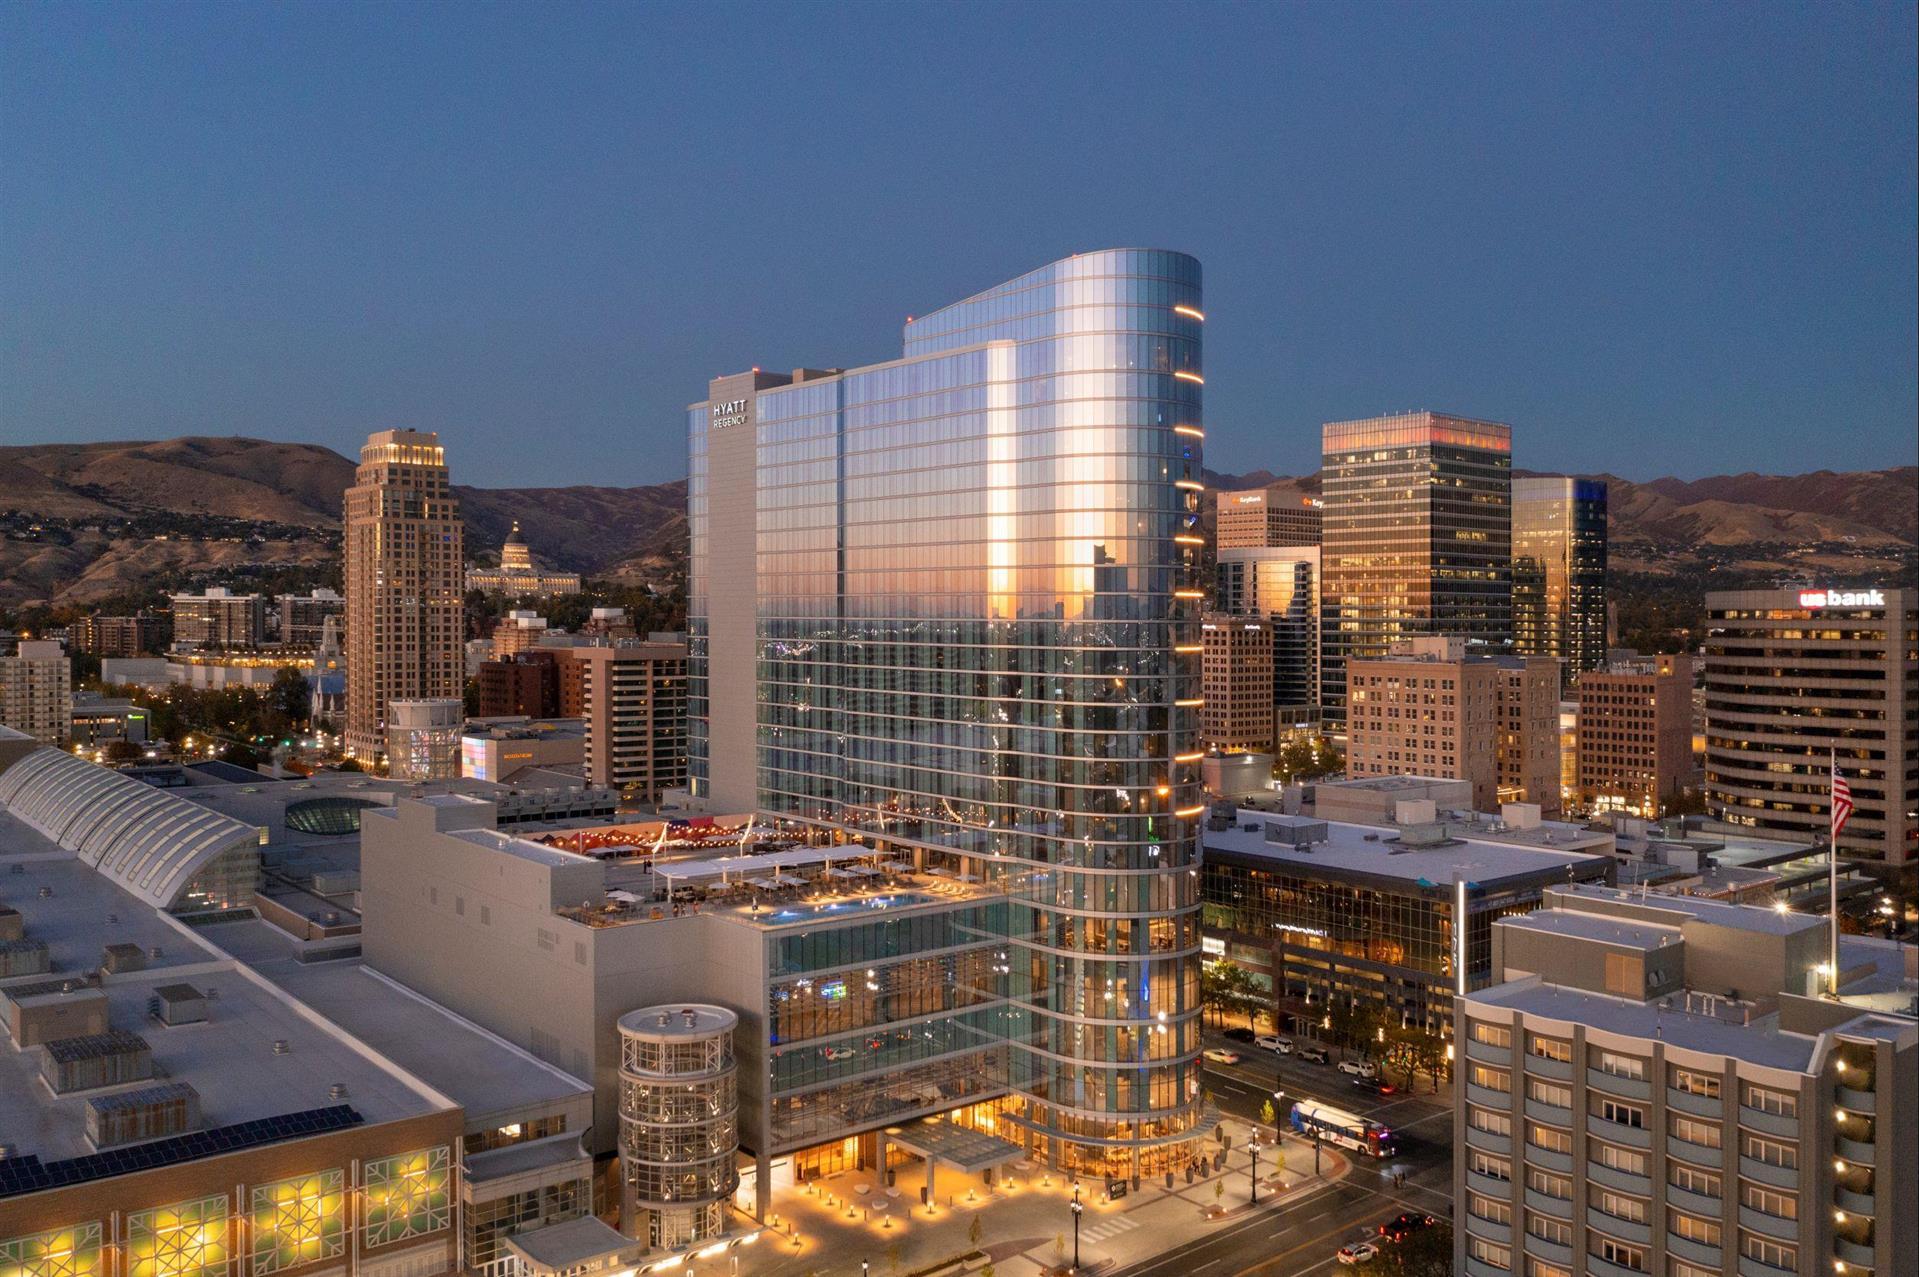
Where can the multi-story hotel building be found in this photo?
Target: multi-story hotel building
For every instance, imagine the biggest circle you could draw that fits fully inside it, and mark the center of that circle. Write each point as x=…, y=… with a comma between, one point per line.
x=947, y=603
x=1264, y=517
x=1433, y=707
x=633, y=698
x=1559, y=570
x=1795, y=676
x=404, y=547
x=1655, y=1086
x=1281, y=584
x=1417, y=536
x=219, y=618
x=1237, y=681
x=36, y=690
x=1634, y=735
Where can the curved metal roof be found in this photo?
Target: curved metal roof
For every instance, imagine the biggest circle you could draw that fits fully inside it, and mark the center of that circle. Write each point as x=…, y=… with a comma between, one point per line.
x=145, y=839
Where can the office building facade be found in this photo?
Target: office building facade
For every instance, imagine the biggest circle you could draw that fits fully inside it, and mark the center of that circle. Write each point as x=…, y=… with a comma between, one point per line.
x=1654, y=1087
x=1417, y=536
x=1794, y=677
x=36, y=691
x=1236, y=678
x=404, y=547
x=1633, y=739
x=1559, y=571
x=633, y=696
x=1281, y=584
x=219, y=618
x=1526, y=752
x=527, y=684
x=949, y=603
x=1264, y=517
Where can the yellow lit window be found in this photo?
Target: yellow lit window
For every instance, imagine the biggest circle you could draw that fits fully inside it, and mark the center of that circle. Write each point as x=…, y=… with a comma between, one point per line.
x=299, y=1221
x=406, y=1196
x=61, y=1252
x=186, y=1239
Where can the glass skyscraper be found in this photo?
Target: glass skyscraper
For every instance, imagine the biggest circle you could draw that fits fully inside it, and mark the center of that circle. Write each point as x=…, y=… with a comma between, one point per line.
x=1559, y=571
x=950, y=604
x=1417, y=536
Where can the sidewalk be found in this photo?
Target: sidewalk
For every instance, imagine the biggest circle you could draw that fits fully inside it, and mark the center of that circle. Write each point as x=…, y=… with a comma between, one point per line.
x=1025, y=1225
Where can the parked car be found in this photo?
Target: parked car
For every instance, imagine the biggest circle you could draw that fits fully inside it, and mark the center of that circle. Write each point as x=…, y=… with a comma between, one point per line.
x=1314, y=1054
x=1220, y=1055
x=1404, y=1225
x=839, y=1052
x=1373, y=1086
x=1359, y=1068
x=1240, y=1035
x=1268, y=1042
x=1357, y=1253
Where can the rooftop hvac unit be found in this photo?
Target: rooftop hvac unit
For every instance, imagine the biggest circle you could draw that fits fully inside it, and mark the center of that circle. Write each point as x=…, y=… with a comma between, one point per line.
x=176, y=1004
x=95, y=1060
x=116, y=958
x=171, y=1108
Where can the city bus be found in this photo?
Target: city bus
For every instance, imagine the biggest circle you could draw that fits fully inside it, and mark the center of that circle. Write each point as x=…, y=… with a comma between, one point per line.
x=1336, y=1126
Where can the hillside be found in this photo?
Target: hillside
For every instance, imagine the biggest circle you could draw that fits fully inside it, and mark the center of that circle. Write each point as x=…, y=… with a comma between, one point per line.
x=88, y=522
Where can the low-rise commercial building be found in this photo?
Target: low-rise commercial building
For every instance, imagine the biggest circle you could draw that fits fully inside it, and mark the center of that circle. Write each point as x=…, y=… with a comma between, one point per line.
x=1658, y=1086
x=499, y=750
x=100, y=720
x=1634, y=733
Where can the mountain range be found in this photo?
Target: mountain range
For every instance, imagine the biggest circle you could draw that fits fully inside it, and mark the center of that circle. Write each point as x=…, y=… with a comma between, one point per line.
x=84, y=522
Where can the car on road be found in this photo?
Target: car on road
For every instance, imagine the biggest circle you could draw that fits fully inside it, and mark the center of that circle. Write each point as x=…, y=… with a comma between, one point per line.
x=1359, y=1068
x=1314, y=1055
x=1404, y=1225
x=1373, y=1086
x=1268, y=1042
x=1220, y=1055
x=839, y=1052
x=1357, y=1253
x=1239, y=1035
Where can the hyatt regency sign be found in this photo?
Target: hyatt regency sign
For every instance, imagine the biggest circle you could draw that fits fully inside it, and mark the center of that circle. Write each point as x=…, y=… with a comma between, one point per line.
x=731, y=413
x=1842, y=598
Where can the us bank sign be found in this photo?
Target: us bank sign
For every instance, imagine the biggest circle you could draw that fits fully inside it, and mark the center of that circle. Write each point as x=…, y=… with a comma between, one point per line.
x=1842, y=598
x=730, y=413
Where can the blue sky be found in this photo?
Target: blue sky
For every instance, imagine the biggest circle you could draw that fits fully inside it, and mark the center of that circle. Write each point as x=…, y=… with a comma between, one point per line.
x=1655, y=238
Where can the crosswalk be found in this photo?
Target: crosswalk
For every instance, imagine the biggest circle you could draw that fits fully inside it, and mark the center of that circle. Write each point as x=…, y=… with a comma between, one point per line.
x=1111, y=1226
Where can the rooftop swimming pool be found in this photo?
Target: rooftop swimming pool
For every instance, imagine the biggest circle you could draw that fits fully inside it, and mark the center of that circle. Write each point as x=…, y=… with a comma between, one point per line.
x=825, y=911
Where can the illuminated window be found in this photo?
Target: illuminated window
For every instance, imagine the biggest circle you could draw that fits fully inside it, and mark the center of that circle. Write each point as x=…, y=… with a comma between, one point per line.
x=406, y=1196
x=299, y=1221
x=63, y=1252
x=186, y=1239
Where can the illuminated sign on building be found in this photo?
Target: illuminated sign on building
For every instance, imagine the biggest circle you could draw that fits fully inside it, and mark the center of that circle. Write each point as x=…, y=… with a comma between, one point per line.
x=1842, y=598
x=731, y=413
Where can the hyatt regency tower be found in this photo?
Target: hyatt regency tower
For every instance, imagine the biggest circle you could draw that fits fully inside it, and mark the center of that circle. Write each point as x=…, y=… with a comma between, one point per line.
x=948, y=605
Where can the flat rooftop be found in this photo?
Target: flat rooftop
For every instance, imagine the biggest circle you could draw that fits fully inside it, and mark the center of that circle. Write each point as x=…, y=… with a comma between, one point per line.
x=1718, y=913
x=1371, y=851
x=1625, y=932
x=1759, y=1042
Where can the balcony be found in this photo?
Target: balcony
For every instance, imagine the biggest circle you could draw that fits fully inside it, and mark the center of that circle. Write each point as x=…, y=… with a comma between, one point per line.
x=1598, y=1267
x=1624, y=1087
x=1864, y=1102
x=1551, y=1252
x=1768, y=1123
x=1500, y=1188
x=1486, y=1053
x=1693, y=1252
x=1486, y=1097
x=1625, y=1230
x=1771, y=1225
x=1767, y=1173
x=1855, y=1255
x=1697, y=1154
x=1558, y=1207
x=1489, y=1230
x=1551, y=1114
x=1694, y=1203
x=1476, y=1269
x=1619, y=1133
x=1624, y=1181
x=1487, y=1142
x=1546, y=1159
x=1855, y=1203
x=1695, y=1105
x=1853, y=1150
x=1750, y=1267
x=1546, y=1067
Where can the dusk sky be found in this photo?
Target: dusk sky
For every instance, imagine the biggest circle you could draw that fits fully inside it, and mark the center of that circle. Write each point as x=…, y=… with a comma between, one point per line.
x=1656, y=239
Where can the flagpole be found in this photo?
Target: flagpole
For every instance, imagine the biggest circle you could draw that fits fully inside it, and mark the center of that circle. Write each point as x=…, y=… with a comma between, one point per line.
x=1832, y=871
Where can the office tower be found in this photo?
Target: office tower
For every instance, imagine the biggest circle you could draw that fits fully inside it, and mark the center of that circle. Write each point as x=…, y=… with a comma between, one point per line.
x=1634, y=734
x=117, y=636
x=219, y=618
x=1236, y=678
x=36, y=691
x=1270, y=516
x=527, y=684
x=404, y=610
x=1794, y=676
x=947, y=604
x=1657, y=1087
x=1417, y=539
x=1559, y=570
x=1435, y=707
x=303, y=617
x=1282, y=585
x=520, y=575
x=633, y=697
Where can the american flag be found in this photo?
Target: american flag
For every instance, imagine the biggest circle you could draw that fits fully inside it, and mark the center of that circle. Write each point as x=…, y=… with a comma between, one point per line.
x=1841, y=801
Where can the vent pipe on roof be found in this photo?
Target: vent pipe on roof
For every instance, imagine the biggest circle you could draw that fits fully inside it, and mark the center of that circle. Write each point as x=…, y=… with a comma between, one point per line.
x=154, y=952
x=337, y=1091
x=281, y=1046
x=46, y=893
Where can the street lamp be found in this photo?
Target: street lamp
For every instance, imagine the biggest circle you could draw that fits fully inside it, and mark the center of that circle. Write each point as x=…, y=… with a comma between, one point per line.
x=1252, y=1146
x=1078, y=1210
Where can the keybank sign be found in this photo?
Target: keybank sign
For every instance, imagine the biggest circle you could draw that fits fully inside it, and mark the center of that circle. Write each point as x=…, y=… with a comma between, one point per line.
x=1842, y=598
x=731, y=413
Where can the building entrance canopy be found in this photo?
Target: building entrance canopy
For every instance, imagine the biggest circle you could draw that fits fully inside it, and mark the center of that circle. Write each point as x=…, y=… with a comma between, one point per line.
x=939, y=1141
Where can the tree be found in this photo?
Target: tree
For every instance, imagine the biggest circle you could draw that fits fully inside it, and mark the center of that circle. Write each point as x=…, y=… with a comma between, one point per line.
x=1303, y=757
x=973, y=1232
x=1266, y=1113
x=123, y=751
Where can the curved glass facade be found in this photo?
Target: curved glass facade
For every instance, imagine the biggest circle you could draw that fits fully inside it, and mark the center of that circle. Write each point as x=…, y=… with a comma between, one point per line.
x=975, y=614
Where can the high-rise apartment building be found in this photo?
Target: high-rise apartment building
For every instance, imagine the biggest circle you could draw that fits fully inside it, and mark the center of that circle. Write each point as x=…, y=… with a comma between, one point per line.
x=527, y=684
x=1559, y=570
x=947, y=603
x=1797, y=677
x=1417, y=536
x=1634, y=733
x=633, y=697
x=1434, y=707
x=219, y=618
x=1280, y=583
x=118, y=636
x=1265, y=517
x=1657, y=1087
x=36, y=691
x=404, y=608
x=1236, y=678
x=303, y=617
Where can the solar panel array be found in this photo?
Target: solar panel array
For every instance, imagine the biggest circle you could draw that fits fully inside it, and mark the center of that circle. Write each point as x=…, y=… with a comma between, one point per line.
x=30, y=1175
